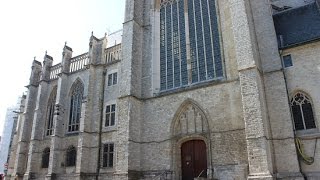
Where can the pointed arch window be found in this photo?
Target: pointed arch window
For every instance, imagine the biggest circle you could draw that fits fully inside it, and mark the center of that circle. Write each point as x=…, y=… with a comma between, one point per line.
x=45, y=158
x=302, y=112
x=75, y=107
x=71, y=157
x=50, y=112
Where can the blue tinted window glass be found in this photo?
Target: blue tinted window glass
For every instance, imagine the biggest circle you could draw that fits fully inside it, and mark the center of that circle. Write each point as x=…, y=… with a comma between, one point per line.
x=175, y=45
x=192, y=37
x=183, y=53
x=199, y=36
x=163, y=78
x=169, y=48
x=208, y=38
x=216, y=39
x=287, y=61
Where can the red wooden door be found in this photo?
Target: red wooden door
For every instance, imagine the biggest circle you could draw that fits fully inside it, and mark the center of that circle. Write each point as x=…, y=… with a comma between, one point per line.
x=194, y=159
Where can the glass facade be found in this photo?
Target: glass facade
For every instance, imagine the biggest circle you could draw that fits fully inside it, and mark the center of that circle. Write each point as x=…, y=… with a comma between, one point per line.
x=203, y=35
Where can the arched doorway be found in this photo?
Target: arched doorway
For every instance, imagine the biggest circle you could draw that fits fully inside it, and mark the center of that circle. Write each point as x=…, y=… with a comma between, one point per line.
x=193, y=159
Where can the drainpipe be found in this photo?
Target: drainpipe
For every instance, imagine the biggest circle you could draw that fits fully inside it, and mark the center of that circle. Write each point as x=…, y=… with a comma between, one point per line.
x=100, y=124
x=289, y=104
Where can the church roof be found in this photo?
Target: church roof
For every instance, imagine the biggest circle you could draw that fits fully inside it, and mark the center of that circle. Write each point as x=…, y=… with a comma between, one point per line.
x=298, y=25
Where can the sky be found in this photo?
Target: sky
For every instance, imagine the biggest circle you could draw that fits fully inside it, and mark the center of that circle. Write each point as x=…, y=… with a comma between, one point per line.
x=29, y=28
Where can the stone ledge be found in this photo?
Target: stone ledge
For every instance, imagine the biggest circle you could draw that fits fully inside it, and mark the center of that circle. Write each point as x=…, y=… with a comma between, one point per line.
x=261, y=177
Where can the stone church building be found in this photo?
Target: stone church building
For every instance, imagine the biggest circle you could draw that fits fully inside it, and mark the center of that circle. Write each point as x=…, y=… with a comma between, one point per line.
x=207, y=89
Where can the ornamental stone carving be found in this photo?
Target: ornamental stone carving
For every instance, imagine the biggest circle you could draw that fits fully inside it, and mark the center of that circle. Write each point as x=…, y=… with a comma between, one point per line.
x=190, y=120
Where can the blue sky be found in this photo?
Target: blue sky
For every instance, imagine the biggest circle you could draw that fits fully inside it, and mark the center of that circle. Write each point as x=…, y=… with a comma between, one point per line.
x=29, y=28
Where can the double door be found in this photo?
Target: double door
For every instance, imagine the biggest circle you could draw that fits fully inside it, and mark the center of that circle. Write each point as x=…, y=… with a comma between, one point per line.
x=194, y=159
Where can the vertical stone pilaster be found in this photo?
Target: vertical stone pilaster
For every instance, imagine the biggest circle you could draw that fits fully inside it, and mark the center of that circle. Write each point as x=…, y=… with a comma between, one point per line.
x=130, y=83
x=129, y=115
x=26, y=121
x=257, y=125
x=56, y=149
x=129, y=127
x=39, y=119
x=275, y=92
x=88, y=143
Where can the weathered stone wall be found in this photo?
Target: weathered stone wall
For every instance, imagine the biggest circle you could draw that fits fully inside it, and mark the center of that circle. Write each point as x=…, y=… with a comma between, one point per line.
x=226, y=128
x=304, y=76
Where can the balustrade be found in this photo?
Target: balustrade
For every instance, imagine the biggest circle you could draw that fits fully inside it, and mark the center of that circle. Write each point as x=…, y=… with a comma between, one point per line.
x=55, y=71
x=79, y=62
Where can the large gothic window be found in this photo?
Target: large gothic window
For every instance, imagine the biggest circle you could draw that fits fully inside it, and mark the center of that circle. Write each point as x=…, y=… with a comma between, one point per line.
x=75, y=107
x=193, y=21
x=71, y=156
x=45, y=158
x=50, y=112
x=302, y=112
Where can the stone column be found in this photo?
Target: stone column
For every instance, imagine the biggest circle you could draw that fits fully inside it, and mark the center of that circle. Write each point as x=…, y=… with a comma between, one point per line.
x=285, y=155
x=128, y=152
x=92, y=107
x=56, y=152
x=26, y=121
x=39, y=120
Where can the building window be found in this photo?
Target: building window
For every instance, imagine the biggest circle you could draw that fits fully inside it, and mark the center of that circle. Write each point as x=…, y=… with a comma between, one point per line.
x=110, y=115
x=205, y=51
x=45, y=158
x=302, y=112
x=75, y=107
x=71, y=157
x=50, y=112
x=287, y=61
x=112, y=79
x=108, y=151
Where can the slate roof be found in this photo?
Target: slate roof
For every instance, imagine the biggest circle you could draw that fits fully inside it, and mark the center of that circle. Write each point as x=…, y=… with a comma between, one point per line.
x=298, y=25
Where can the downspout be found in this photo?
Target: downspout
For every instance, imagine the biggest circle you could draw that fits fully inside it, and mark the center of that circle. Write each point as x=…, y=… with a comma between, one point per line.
x=289, y=104
x=100, y=123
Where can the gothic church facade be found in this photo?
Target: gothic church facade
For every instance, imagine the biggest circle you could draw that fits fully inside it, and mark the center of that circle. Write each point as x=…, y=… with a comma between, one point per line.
x=211, y=89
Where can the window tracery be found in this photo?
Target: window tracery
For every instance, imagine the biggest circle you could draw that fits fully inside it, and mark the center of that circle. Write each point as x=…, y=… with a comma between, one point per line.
x=50, y=112
x=75, y=107
x=302, y=112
